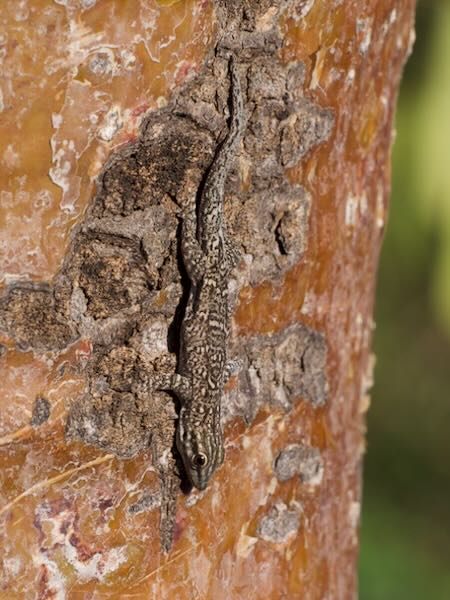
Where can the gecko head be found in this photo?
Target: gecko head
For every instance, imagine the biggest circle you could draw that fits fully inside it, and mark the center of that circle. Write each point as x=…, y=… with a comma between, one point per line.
x=201, y=449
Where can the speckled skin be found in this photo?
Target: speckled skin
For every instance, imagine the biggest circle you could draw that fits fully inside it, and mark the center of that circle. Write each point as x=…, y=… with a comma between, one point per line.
x=209, y=257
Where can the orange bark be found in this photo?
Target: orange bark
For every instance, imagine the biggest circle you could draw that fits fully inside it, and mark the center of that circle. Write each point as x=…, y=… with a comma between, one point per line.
x=78, y=80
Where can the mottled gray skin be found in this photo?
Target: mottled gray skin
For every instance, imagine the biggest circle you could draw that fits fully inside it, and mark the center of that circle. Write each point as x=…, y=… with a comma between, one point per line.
x=209, y=256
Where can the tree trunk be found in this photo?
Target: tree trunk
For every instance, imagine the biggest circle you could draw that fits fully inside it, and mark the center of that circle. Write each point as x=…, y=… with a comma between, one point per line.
x=112, y=115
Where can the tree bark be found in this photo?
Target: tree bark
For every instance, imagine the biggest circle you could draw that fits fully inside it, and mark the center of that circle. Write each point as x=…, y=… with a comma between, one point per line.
x=112, y=113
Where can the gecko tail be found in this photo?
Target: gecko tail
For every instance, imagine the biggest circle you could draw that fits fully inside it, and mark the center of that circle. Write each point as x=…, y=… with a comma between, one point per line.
x=237, y=123
x=225, y=155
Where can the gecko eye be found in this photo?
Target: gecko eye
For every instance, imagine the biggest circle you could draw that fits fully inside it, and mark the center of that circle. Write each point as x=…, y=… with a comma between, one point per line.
x=200, y=460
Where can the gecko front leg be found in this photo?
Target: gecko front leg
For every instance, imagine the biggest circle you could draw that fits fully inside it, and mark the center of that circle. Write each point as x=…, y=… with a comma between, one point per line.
x=172, y=382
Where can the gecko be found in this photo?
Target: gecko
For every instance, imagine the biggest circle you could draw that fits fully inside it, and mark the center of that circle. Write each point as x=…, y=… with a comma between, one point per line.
x=209, y=256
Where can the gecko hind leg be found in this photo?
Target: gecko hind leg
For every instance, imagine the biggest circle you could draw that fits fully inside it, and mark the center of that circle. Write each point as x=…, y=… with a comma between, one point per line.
x=232, y=367
x=232, y=253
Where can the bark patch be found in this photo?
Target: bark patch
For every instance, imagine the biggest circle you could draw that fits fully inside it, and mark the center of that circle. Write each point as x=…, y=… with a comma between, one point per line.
x=304, y=461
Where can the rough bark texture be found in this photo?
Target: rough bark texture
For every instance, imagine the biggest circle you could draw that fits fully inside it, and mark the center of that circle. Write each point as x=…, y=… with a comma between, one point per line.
x=94, y=481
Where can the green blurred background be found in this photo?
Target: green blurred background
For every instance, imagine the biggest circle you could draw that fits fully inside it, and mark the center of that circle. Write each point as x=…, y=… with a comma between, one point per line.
x=405, y=536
